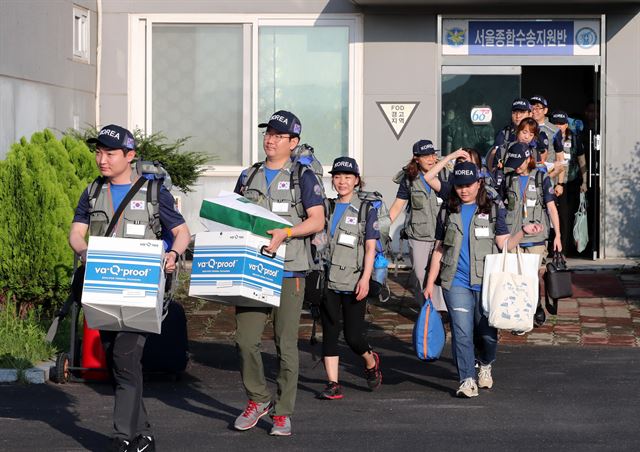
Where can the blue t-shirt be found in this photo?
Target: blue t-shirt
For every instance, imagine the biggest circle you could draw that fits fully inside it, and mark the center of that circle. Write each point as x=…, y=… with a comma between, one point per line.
x=467, y=211
x=270, y=174
x=424, y=182
x=404, y=192
x=169, y=216
x=340, y=208
x=462, y=277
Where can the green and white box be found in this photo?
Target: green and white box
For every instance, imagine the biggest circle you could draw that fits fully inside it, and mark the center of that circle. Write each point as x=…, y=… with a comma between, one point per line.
x=229, y=262
x=124, y=284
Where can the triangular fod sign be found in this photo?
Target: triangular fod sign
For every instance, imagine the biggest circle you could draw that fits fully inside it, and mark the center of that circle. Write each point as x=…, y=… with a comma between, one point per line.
x=397, y=114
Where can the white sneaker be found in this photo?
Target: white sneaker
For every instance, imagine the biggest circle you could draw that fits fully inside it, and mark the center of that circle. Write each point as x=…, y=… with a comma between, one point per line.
x=485, y=380
x=468, y=388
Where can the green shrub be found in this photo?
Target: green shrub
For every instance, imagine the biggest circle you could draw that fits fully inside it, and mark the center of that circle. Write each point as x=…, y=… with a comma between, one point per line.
x=184, y=166
x=22, y=341
x=39, y=189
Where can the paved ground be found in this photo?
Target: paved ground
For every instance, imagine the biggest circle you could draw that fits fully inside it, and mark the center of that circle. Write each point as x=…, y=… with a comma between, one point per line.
x=605, y=310
x=545, y=398
x=571, y=385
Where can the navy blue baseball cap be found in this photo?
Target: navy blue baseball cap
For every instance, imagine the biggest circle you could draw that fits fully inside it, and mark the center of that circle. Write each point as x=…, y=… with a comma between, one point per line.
x=520, y=104
x=465, y=173
x=537, y=99
x=423, y=147
x=559, y=117
x=285, y=122
x=114, y=137
x=345, y=165
x=516, y=155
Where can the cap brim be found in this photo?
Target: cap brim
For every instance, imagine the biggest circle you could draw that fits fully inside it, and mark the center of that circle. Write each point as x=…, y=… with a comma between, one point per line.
x=262, y=125
x=514, y=163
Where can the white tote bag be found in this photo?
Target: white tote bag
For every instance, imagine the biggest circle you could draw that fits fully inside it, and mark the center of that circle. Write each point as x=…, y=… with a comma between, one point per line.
x=580, y=226
x=512, y=292
x=493, y=264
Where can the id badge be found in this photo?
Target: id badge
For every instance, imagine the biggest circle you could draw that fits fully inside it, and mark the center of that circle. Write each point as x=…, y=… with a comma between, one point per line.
x=531, y=202
x=438, y=200
x=135, y=229
x=567, y=156
x=280, y=207
x=482, y=232
x=347, y=240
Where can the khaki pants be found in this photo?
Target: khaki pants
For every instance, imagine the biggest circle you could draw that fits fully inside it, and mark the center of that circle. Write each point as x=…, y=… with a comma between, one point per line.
x=286, y=321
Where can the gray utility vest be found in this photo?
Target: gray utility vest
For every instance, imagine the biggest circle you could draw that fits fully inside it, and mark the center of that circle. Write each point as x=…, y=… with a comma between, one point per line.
x=279, y=198
x=481, y=242
x=346, y=249
x=533, y=204
x=420, y=221
x=550, y=130
x=140, y=218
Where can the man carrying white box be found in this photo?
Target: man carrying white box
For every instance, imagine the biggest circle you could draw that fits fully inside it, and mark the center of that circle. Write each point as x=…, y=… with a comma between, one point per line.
x=117, y=201
x=268, y=184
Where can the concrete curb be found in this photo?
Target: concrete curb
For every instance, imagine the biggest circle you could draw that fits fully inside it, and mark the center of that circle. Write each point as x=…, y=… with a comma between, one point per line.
x=39, y=374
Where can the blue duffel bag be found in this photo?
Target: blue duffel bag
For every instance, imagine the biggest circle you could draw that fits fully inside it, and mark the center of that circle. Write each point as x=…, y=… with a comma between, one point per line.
x=428, y=333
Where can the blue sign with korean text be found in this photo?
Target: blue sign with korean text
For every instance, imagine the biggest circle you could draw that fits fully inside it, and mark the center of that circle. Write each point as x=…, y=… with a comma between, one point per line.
x=521, y=37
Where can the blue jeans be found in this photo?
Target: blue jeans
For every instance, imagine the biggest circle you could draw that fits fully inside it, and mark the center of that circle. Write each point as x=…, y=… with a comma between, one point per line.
x=469, y=325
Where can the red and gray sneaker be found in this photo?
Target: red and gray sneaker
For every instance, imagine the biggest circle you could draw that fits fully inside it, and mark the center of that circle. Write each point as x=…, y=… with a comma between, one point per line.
x=281, y=426
x=373, y=375
x=251, y=415
x=332, y=391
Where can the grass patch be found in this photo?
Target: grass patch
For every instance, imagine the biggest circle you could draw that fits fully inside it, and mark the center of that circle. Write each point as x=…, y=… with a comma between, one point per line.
x=22, y=341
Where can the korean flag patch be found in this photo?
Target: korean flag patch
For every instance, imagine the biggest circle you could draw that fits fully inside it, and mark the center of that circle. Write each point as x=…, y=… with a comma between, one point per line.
x=137, y=205
x=351, y=220
x=283, y=185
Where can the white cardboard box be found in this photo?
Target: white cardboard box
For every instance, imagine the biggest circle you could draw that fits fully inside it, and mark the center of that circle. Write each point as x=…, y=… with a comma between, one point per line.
x=124, y=284
x=228, y=265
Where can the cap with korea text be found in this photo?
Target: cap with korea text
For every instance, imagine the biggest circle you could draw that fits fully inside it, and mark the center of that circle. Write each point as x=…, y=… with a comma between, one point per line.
x=114, y=137
x=423, y=147
x=345, y=165
x=465, y=173
x=520, y=104
x=284, y=122
x=516, y=155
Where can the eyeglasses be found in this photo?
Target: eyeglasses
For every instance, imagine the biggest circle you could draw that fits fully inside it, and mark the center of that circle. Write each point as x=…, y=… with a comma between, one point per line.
x=276, y=137
x=537, y=108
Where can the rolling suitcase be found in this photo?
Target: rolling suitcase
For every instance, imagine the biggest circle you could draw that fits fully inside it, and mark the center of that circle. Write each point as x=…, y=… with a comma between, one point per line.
x=169, y=350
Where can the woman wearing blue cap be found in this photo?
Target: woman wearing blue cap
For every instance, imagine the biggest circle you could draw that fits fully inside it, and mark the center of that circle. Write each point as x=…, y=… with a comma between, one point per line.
x=471, y=226
x=530, y=198
x=422, y=205
x=352, y=249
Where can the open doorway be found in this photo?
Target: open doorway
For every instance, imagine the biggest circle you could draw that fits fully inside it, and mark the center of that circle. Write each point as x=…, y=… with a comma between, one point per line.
x=573, y=89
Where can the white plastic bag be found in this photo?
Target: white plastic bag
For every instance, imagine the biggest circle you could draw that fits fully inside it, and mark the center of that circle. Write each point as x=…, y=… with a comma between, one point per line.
x=512, y=290
x=580, y=225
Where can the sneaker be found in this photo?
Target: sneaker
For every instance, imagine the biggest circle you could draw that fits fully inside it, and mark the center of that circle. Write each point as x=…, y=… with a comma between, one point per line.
x=144, y=443
x=251, y=415
x=468, y=388
x=485, y=380
x=518, y=333
x=332, y=391
x=539, y=317
x=281, y=426
x=120, y=445
x=373, y=375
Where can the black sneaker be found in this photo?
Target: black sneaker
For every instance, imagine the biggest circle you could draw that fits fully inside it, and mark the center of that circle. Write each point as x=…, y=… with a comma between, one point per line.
x=120, y=445
x=373, y=375
x=144, y=443
x=332, y=391
x=539, y=317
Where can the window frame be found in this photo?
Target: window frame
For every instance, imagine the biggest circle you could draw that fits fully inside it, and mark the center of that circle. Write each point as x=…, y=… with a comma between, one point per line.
x=81, y=24
x=140, y=82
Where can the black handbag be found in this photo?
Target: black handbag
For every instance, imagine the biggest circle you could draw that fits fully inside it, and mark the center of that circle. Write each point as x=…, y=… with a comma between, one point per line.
x=557, y=281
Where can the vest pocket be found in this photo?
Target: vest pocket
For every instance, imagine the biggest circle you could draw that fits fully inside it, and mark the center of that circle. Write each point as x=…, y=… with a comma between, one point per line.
x=417, y=201
x=483, y=247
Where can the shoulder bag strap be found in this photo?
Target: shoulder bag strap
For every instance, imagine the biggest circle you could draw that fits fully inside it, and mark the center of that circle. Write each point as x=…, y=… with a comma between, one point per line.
x=130, y=194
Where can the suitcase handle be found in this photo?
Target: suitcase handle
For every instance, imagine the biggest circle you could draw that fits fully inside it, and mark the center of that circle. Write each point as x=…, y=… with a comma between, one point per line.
x=266, y=253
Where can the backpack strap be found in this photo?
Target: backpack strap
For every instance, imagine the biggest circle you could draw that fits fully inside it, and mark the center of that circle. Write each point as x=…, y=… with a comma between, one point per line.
x=94, y=190
x=153, y=206
x=250, y=175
